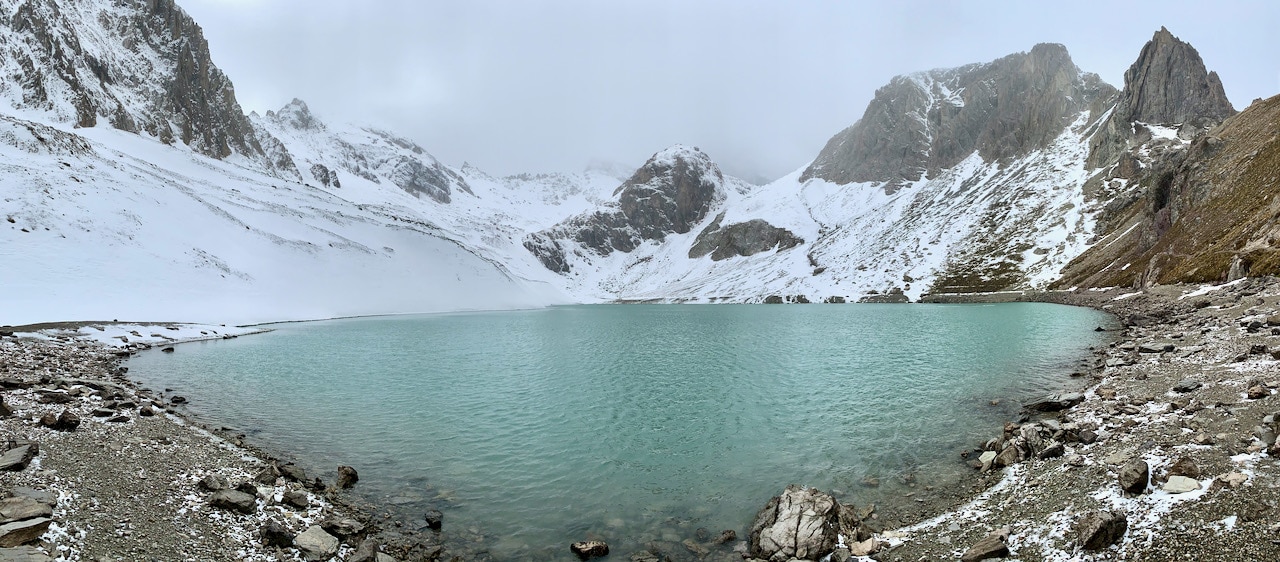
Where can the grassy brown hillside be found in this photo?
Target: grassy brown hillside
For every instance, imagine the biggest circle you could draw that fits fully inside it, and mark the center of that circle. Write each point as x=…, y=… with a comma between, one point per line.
x=1211, y=214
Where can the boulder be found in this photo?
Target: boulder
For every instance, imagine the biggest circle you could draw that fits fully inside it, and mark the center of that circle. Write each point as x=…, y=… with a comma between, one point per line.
x=315, y=544
x=1097, y=530
x=1134, y=475
x=233, y=500
x=1052, y=451
x=17, y=458
x=589, y=549
x=1056, y=402
x=994, y=545
x=1185, y=467
x=267, y=475
x=342, y=527
x=801, y=523
x=293, y=472
x=19, y=533
x=366, y=552
x=987, y=459
x=102, y=412
x=1187, y=385
x=1258, y=391
x=65, y=421
x=146, y=411
x=296, y=498
x=347, y=477
x=275, y=535
x=18, y=508
x=1008, y=457
x=23, y=554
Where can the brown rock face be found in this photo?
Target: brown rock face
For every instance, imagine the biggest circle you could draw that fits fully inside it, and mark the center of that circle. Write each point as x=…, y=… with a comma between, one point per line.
x=928, y=121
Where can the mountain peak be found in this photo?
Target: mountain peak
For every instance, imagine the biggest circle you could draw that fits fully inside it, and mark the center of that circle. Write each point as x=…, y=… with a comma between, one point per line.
x=1170, y=84
x=297, y=115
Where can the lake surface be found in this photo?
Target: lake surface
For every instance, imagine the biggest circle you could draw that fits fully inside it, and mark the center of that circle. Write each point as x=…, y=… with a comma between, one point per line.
x=632, y=423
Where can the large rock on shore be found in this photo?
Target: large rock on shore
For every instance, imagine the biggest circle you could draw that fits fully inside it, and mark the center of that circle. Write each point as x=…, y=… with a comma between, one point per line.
x=801, y=523
x=316, y=544
x=18, y=457
x=1097, y=530
x=19, y=533
x=19, y=508
x=233, y=500
x=994, y=545
x=1133, y=476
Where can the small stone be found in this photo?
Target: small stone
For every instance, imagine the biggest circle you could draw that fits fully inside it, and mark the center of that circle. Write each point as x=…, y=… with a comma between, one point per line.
x=1187, y=385
x=102, y=412
x=316, y=544
x=1233, y=479
x=1097, y=530
x=1258, y=349
x=178, y=400
x=1075, y=460
x=1134, y=475
x=726, y=536
x=994, y=545
x=1180, y=485
x=589, y=549
x=146, y=411
x=273, y=534
x=1257, y=392
x=435, y=519
x=233, y=500
x=347, y=477
x=118, y=419
x=213, y=483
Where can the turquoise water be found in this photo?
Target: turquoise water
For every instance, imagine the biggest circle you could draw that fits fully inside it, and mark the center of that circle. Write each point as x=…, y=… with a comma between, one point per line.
x=632, y=423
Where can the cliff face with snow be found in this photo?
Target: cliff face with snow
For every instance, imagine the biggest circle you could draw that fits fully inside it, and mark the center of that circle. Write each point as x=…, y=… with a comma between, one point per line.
x=132, y=185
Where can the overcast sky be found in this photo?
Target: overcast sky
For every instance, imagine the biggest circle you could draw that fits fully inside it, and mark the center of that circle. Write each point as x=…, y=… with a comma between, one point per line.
x=522, y=86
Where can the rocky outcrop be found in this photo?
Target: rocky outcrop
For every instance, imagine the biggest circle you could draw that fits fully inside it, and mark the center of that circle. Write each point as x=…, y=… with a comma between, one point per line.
x=1168, y=84
x=741, y=239
x=921, y=123
x=802, y=524
x=363, y=152
x=673, y=191
x=142, y=67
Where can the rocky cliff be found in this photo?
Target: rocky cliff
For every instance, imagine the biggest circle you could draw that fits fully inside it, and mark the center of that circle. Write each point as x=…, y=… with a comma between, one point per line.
x=670, y=193
x=1209, y=213
x=138, y=65
x=922, y=123
x=1168, y=85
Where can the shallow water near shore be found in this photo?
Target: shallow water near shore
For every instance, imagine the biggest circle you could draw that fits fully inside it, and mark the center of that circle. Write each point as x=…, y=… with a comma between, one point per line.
x=631, y=423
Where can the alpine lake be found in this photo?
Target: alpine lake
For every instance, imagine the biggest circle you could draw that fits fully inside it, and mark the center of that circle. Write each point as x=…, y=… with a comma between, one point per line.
x=633, y=424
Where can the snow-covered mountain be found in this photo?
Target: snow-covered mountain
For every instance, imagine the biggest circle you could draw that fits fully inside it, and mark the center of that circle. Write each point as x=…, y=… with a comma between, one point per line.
x=132, y=185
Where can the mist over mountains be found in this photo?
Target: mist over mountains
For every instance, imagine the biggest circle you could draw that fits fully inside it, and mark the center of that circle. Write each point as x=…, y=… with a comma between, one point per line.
x=134, y=185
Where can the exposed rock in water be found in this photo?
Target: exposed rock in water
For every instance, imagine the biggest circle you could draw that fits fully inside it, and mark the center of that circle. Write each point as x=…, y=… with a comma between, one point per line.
x=1097, y=530
x=435, y=519
x=347, y=477
x=589, y=549
x=741, y=239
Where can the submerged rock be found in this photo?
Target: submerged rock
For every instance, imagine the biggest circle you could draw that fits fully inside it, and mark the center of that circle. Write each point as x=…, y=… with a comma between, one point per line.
x=589, y=549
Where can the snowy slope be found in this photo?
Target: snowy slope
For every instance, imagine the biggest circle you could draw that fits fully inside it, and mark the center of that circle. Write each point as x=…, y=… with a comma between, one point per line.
x=103, y=224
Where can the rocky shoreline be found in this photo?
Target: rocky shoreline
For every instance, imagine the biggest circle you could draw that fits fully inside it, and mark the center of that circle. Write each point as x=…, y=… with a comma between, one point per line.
x=1169, y=454
x=1164, y=456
